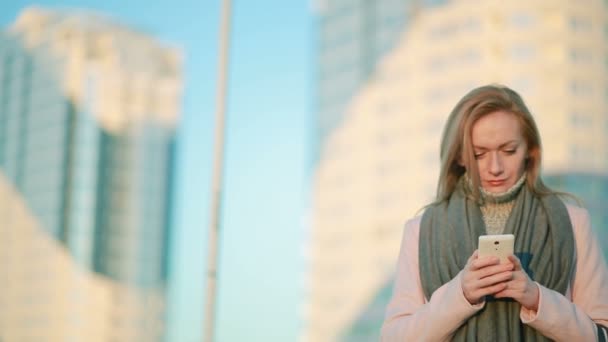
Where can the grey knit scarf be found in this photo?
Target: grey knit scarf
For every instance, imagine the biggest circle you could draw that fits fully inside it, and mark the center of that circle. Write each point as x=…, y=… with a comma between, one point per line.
x=544, y=242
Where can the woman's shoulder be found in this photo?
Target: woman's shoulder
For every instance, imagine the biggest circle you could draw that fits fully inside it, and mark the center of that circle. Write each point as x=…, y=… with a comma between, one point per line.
x=577, y=214
x=412, y=226
x=414, y=221
x=411, y=234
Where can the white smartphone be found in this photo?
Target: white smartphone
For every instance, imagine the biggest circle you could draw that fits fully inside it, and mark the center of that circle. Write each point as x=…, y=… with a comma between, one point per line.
x=500, y=246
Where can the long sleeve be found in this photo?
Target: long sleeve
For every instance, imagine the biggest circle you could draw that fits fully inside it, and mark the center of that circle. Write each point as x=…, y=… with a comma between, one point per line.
x=409, y=317
x=575, y=319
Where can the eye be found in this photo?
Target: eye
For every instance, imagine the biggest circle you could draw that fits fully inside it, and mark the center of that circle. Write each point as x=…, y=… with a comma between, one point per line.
x=479, y=155
x=510, y=151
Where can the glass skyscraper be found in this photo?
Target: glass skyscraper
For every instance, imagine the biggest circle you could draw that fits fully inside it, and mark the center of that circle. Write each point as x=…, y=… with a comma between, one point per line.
x=88, y=110
x=353, y=39
x=353, y=36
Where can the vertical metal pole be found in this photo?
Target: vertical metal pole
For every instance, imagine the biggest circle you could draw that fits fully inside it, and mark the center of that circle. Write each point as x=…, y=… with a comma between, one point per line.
x=218, y=166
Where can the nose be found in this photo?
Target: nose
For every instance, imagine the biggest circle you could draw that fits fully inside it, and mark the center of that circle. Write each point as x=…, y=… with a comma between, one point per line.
x=496, y=166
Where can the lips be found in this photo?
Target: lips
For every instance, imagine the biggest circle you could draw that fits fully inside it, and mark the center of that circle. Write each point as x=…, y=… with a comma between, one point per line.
x=496, y=182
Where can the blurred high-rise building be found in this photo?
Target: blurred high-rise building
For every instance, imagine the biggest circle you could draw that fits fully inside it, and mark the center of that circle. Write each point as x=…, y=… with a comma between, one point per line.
x=88, y=112
x=378, y=164
x=352, y=37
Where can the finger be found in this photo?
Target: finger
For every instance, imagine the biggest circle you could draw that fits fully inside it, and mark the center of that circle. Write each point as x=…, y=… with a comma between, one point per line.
x=519, y=274
x=492, y=270
x=509, y=292
x=515, y=288
x=515, y=260
x=484, y=262
x=502, y=277
x=491, y=290
x=506, y=293
x=473, y=256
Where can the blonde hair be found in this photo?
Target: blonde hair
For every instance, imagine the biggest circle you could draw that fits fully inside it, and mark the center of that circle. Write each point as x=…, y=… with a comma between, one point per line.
x=457, y=155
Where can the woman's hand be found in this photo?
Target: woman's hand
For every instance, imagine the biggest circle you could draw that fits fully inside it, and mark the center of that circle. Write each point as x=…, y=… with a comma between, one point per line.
x=521, y=288
x=484, y=276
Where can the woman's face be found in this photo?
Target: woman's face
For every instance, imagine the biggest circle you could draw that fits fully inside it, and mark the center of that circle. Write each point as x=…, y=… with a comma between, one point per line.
x=500, y=150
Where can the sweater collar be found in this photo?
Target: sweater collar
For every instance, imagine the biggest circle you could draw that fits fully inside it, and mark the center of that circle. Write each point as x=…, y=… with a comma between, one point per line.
x=500, y=197
x=503, y=197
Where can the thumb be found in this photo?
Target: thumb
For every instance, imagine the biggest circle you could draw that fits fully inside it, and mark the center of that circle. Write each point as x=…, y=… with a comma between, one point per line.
x=515, y=261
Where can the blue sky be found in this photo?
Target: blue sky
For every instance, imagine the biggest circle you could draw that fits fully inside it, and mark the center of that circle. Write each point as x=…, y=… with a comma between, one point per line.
x=268, y=130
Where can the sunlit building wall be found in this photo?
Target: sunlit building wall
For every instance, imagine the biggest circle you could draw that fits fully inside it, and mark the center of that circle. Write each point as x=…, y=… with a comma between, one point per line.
x=352, y=37
x=88, y=109
x=47, y=296
x=379, y=166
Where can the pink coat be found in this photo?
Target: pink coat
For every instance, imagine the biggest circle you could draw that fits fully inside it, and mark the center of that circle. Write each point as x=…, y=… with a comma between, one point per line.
x=412, y=317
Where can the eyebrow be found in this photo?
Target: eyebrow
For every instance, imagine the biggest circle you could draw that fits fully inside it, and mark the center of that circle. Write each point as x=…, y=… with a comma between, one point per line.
x=501, y=146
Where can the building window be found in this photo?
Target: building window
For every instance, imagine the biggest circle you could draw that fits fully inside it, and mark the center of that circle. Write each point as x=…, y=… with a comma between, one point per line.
x=580, y=24
x=580, y=121
x=522, y=20
x=580, y=88
x=448, y=29
x=578, y=55
x=522, y=53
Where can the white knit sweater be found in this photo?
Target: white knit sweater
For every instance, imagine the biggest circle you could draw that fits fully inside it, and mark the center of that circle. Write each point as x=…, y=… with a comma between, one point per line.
x=497, y=207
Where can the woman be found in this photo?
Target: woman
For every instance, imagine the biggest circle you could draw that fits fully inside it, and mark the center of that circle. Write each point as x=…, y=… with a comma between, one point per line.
x=555, y=287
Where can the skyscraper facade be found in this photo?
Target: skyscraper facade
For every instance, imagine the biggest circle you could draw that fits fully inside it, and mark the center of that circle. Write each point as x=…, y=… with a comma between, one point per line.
x=353, y=37
x=379, y=165
x=88, y=110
